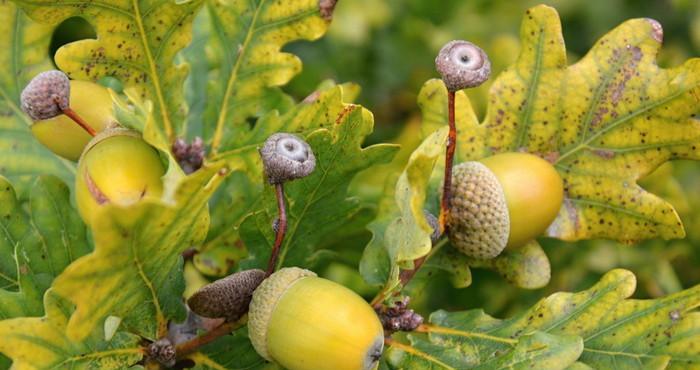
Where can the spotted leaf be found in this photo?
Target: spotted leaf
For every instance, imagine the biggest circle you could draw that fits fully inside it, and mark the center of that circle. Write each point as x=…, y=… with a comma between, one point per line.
x=137, y=41
x=604, y=122
x=604, y=326
x=24, y=44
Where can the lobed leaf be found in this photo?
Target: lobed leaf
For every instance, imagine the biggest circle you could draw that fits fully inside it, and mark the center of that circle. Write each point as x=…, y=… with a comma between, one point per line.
x=42, y=343
x=135, y=272
x=25, y=47
x=317, y=204
x=400, y=232
x=245, y=42
x=242, y=192
x=604, y=122
x=137, y=41
x=232, y=352
x=544, y=351
x=36, y=245
x=617, y=332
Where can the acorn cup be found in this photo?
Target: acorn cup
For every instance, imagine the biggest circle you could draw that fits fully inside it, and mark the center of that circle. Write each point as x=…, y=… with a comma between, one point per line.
x=227, y=298
x=117, y=167
x=286, y=157
x=66, y=113
x=462, y=65
x=304, y=322
x=502, y=201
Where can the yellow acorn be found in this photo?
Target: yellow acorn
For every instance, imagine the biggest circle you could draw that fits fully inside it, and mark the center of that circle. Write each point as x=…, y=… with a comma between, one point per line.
x=304, y=322
x=117, y=167
x=53, y=102
x=502, y=201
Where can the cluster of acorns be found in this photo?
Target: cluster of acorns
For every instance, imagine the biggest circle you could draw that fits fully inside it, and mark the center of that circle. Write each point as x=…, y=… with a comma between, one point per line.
x=295, y=318
x=115, y=165
x=502, y=201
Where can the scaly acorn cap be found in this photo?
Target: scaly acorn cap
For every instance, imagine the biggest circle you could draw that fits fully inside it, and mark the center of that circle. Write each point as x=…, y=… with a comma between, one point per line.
x=286, y=157
x=228, y=297
x=265, y=299
x=462, y=65
x=46, y=96
x=478, y=220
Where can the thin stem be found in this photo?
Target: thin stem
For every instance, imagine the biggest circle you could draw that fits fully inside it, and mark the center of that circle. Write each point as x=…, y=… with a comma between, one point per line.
x=449, y=159
x=281, y=228
x=194, y=344
x=405, y=276
x=79, y=120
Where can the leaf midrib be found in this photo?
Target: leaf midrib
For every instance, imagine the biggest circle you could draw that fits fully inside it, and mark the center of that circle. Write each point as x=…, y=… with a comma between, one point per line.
x=617, y=122
x=223, y=111
x=167, y=125
x=532, y=91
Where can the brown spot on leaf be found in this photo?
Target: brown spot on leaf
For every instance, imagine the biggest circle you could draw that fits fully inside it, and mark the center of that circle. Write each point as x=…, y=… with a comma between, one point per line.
x=604, y=153
x=312, y=97
x=326, y=7
x=344, y=113
x=657, y=31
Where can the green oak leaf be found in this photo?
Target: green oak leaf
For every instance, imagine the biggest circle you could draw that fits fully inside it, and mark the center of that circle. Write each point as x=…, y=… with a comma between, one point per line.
x=36, y=244
x=407, y=237
x=137, y=42
x=41, y=342
x=242, y=192
x=135, y=272
x=534, y=350
x=24, y=44
x=526, y=267
x=232, y=352
x=604, y=122
x=400, y=232
x=244, y=45
x=317, y=204
x=617, y=332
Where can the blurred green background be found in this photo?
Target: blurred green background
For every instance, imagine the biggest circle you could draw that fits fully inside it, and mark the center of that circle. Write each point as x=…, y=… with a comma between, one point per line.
x=388, y=48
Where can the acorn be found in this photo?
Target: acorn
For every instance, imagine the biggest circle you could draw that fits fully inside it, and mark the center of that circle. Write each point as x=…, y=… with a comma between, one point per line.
x=228, y=297
x=462, y=65
x=117, y=167
x=53, y=101
x=286, y=157
x=502, y=201
x=304, y=322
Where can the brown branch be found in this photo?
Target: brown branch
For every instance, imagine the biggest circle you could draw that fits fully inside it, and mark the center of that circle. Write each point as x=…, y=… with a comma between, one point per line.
x=194, y=344
x=79, y=120
x=281, y=228
x=449, y=159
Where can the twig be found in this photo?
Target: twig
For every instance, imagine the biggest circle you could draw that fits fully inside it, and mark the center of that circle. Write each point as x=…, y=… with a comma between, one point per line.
x=449, y=159
x=194, y=344
x=405, y=276
x=79, y=120
x=281, y=228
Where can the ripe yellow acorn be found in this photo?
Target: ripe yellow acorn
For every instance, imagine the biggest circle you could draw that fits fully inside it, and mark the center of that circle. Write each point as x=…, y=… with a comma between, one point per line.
x=304, y=322
x=116, y=167
x=61, y=135
x=502, y=201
